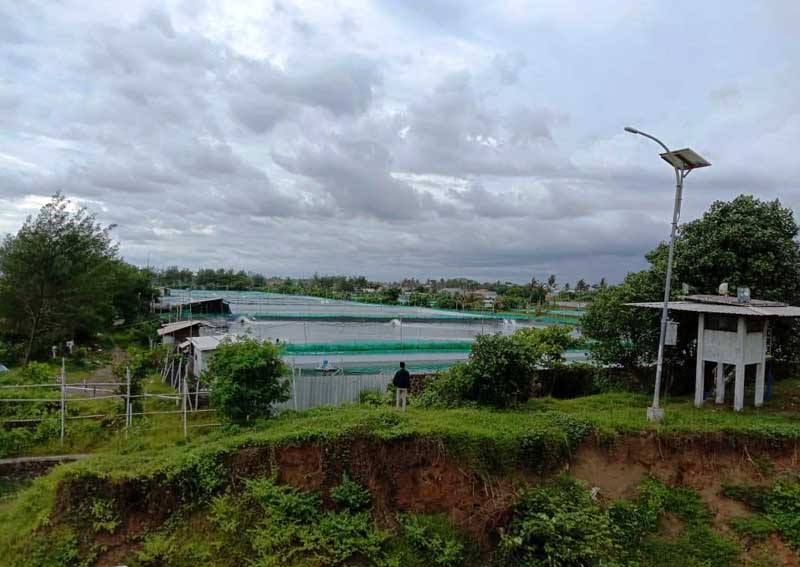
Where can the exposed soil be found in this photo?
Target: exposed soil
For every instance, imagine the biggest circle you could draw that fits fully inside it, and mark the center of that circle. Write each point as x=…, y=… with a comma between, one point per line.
x=420, y=476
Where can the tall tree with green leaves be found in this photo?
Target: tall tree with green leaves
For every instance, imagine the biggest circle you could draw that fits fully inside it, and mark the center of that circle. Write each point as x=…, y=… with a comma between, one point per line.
x=745, y=242
x=55, y=275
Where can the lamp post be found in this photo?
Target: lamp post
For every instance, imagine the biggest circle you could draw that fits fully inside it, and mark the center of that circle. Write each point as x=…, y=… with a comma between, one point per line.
x=682, y=161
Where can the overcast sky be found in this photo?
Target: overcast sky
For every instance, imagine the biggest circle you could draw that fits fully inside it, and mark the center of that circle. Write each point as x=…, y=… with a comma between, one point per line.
x=394, y=138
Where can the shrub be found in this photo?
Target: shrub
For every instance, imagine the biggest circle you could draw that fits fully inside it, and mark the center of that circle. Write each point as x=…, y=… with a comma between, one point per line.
x=779, y=505
x=433, y=541
x=245, y=380
x=558, y=525
x=374, y=397
x=447, y=389
x=271, y=524
x=351, y=495
x=500, y=370
x=37, y=373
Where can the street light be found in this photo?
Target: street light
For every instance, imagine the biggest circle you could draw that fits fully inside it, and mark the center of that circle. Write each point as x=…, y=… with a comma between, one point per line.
x=682, y=161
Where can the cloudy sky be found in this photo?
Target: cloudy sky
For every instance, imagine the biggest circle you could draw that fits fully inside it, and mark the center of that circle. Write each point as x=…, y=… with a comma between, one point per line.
x=394, y=138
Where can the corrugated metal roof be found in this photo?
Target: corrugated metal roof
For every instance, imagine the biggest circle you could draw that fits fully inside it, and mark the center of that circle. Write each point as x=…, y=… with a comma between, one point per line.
x=745, y=309
x=211, y=342
x=173, y=327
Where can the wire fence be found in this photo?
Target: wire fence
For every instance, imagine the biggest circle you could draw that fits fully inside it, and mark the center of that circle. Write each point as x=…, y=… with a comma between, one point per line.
x=305, y=392
x=182, y=399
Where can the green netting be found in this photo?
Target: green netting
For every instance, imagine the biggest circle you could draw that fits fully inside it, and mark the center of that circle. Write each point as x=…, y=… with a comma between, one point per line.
x=557, y=320
x=567, y=312
x=378, y=347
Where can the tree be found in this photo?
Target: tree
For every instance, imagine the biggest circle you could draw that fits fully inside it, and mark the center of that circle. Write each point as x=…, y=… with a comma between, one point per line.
x=55, y=276
x=621, y=335
x=245, y=380
x=551, y=283
x=131, y=290
x=744, y=242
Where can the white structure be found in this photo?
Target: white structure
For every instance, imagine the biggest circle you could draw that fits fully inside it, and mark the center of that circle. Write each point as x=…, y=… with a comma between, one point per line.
x=730, y=331
x=201, y=349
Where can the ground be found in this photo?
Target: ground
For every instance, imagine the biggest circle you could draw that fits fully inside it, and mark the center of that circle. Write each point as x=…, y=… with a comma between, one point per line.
x=466, y=465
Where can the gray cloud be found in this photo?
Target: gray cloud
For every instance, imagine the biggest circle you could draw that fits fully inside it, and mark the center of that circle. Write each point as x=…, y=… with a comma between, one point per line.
x=440, y=139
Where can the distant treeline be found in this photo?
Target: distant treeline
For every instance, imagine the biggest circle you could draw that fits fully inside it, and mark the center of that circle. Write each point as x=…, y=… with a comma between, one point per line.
x=450, y=293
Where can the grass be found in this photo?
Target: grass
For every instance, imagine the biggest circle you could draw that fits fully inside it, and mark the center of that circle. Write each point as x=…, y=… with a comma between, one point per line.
x=539, y=435
x=624, y=413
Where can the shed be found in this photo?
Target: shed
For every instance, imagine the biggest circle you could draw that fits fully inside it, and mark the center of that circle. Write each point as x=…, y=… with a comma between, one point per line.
x=203, y=348
x=730, y=331
x=179, y=331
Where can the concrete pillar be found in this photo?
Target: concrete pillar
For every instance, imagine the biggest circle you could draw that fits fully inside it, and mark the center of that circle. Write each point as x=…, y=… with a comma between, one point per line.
x=699, y=374
x=759, y=401
x=720, y=383
x=738, y=391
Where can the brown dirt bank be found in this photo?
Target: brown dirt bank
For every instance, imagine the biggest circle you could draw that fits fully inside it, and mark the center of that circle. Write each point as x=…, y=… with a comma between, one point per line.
x=420, y=476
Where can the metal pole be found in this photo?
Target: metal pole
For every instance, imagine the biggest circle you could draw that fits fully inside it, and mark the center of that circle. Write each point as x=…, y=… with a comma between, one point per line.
x=185, y=396
x=63, y=399
x=656, y=412
x=128, y=419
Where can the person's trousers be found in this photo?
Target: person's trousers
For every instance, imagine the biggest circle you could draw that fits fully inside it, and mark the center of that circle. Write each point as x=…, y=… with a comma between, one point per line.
x=402, y=398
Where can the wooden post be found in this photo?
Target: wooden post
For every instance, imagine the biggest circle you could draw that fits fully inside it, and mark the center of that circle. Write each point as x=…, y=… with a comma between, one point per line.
x=759, y=401
x=720, y=399
x=700, y=374
x=738, y=390
x=63, y=400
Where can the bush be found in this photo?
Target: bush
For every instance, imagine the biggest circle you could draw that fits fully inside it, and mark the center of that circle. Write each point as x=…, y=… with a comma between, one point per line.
x=351, y=495
x=557, y=526
x=778, y=505
x=140, y=362
x=447, y=389
x=245, y=380
x=374, y=398
x=433, y=541
x=37, y=373
x=501, y=369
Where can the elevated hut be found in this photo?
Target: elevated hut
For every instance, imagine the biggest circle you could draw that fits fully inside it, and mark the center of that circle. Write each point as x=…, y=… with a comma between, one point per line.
x=730, y=331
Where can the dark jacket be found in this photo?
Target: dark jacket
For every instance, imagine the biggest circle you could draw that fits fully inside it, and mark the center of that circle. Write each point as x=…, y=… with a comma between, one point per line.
x=402, y=379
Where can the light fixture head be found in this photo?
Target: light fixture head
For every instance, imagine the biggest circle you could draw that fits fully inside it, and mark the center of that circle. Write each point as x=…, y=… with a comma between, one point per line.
x=631, y=129
x=685, y=159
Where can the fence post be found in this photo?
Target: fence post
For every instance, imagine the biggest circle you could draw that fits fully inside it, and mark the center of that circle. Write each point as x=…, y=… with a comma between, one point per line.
x=128, y=416
x=63, y=399
x=185, y=396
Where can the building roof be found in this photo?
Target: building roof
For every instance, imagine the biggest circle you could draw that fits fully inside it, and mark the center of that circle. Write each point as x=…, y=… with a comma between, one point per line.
x=180, y=325
x=211, y=342
x=200, y=301
x=726, y=305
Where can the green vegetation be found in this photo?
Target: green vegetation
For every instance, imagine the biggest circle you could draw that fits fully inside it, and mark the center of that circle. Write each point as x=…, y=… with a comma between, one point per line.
x=777, y=510
x=61, y=279
x=501, y=369
x=246, y=379
x=745, y=242
x=562, y=525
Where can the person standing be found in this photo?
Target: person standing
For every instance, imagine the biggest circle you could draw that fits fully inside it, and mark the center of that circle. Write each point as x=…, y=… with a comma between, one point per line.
x=402, y=382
